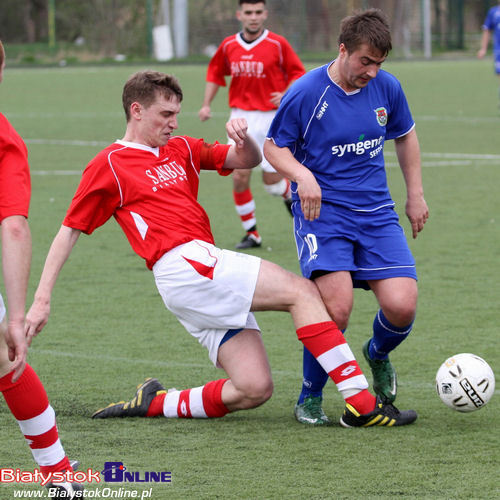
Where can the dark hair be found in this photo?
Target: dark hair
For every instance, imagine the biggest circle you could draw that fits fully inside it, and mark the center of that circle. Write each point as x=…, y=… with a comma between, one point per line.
x=251, y=1
x=369, y=26
x=143, y=87
x=2, y=53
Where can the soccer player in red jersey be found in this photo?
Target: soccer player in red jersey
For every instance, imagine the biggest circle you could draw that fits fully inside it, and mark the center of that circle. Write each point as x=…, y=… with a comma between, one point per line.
x=148, y=182
x=22, y=389
x=262, y=65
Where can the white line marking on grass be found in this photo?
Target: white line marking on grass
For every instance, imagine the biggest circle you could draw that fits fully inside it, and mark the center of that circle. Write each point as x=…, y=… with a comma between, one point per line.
x=468, y=119
x=118, y=359
x=56, y=172
x=451, y=159
x=65, y=142
x=92, y=115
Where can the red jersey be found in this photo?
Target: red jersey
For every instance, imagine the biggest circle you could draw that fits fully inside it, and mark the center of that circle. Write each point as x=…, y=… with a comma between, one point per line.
x=151, y=192
x=15, y=182
x=257, y=69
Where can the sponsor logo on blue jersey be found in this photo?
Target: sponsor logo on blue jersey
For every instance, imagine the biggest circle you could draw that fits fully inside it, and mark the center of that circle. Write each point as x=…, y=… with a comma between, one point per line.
x=360, y=147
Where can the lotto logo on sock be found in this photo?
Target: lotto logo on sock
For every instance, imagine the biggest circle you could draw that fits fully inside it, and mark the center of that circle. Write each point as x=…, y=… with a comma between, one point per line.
x=116, y=472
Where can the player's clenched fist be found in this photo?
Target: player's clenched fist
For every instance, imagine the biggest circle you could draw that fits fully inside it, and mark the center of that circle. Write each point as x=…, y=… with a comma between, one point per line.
x=237, y=130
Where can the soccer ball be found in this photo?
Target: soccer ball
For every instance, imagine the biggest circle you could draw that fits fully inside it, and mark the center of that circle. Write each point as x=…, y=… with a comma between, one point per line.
x=465, y=382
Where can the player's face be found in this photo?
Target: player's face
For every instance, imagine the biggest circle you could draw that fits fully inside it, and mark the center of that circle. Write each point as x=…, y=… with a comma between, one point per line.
x=252, y=17
x=158, y=121
x=359, y=67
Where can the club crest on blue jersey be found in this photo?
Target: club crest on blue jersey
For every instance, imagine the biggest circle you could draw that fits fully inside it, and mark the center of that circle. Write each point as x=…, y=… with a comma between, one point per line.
x=381, y=114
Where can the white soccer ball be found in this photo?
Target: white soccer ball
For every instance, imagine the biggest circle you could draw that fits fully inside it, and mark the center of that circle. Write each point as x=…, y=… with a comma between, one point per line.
x=465, y=382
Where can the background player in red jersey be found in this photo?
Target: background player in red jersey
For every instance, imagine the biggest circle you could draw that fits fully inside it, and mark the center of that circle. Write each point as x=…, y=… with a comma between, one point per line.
x=149, y=182
x=22, y=389
x=262, y=65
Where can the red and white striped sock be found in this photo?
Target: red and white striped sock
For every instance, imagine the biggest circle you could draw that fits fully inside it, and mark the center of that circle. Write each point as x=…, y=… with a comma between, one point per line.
x=245, y=206
x=327, y=344
x=30, y=406
x=200, y=402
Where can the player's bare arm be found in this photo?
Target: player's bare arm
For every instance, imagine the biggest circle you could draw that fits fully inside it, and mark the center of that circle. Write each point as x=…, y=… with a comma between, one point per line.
x=61, y=248
x=16, y=260
x=210, y=92
x=485, y=40
x=307, y=187
x=408, y=153
x=246, y=152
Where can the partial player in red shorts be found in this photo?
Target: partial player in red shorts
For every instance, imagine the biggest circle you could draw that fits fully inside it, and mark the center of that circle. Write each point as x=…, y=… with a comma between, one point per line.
x=19, y=384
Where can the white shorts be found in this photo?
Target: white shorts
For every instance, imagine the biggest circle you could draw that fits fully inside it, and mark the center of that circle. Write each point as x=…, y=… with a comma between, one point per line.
x=258, y=126
x=209, y=290
x=3, y=311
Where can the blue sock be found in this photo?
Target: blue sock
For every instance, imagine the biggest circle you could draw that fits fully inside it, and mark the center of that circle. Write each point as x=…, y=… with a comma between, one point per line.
x=386, y=337
x=315, y=378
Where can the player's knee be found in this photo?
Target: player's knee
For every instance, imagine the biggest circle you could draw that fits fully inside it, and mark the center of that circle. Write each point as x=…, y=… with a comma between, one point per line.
x=241, y=180
x=340, y=315
x=276, y=189
x=257, y=391
x=401, y=313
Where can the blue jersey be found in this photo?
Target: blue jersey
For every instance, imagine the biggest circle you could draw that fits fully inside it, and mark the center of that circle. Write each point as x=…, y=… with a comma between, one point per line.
x=340, y=136
x=492, y=23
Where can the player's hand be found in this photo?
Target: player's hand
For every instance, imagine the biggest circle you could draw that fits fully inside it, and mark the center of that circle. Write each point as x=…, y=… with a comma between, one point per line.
x=417, y=213
x=205, y=113
x=237, y=130
x=17, y=347
x=276, y=98
x=481, y=53
x=36, y=319
x=309, y=193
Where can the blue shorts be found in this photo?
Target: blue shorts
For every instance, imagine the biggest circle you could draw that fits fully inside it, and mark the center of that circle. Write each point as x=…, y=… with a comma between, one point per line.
x=371, y=245
x=496, y=59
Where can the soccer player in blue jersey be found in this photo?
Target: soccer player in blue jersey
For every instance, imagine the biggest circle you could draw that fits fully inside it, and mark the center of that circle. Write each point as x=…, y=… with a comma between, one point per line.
x=328, y=137
x=491, y=25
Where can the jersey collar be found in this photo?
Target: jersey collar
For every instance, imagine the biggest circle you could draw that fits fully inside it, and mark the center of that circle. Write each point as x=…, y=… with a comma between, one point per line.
x=135, y=145
x=250, y=46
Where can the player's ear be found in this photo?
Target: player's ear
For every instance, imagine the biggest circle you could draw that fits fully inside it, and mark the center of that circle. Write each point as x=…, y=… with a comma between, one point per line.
x=135, y=110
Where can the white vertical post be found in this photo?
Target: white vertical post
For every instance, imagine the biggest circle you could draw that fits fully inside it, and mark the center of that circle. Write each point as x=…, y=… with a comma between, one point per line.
x=426, y=28
x=180, y=26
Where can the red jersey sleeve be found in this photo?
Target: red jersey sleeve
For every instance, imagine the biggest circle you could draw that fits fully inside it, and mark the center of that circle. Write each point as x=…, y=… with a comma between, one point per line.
x=15, y=182
x=291, y=63
x=213, y=156
x=204, y=156
x=218, y=67
x=96, y=197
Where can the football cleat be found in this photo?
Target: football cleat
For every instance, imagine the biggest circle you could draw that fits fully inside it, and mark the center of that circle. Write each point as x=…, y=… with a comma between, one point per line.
x=250, y=240
x=383, y=415
x=310, y=412
x=137, y=406
x=384, y=376
x=65, y=489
